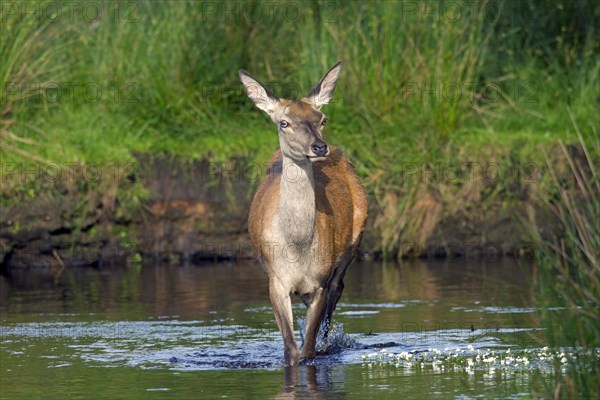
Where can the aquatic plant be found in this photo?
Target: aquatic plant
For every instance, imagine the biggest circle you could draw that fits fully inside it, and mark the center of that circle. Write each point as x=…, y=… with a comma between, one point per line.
x=469, y=360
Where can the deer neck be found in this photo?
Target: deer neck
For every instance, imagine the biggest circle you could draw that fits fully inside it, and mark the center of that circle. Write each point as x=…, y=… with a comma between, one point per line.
x=297, y=202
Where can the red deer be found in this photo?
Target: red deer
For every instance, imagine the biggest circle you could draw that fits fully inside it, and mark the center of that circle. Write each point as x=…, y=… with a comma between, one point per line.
x=308, y=215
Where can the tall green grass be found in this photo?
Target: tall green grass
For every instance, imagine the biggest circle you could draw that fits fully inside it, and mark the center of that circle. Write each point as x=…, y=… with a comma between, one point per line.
x=416, y=80
x=569, y=267
x=32, y=54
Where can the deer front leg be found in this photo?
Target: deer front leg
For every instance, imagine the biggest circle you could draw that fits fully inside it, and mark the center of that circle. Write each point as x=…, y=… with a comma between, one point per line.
x=282, y=308
x=316, y=308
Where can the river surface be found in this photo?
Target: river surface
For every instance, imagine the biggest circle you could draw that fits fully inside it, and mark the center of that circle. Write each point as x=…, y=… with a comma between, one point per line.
x=208, y=331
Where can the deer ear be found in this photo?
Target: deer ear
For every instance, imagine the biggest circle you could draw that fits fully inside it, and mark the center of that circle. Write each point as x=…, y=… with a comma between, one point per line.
x=323, y=91
x=262, y=97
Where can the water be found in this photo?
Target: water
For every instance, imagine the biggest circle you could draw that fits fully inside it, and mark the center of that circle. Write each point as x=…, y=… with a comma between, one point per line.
x=209, y=332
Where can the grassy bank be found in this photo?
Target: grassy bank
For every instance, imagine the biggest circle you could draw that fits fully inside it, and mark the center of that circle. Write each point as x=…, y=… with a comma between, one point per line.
x=424, y=84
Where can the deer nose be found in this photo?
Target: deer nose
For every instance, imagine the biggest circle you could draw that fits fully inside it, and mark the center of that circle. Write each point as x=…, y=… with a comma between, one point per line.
x=320, y=149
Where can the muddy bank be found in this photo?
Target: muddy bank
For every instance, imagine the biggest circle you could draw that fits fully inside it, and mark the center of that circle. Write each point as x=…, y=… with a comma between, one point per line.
x=165, y=209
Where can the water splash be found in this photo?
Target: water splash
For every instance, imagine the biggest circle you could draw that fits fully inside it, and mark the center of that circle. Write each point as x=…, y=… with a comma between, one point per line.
x=335, y=342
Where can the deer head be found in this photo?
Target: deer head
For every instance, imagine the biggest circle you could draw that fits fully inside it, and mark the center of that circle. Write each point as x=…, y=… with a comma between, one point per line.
x=300, y=122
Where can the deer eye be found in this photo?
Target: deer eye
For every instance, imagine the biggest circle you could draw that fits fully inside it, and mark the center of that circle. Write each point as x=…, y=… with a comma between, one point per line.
x=324, y=122
x=284, y=124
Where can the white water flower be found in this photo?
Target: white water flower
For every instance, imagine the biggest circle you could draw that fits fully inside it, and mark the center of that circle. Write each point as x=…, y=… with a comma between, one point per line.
x=563, y=360
x=470, y=347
